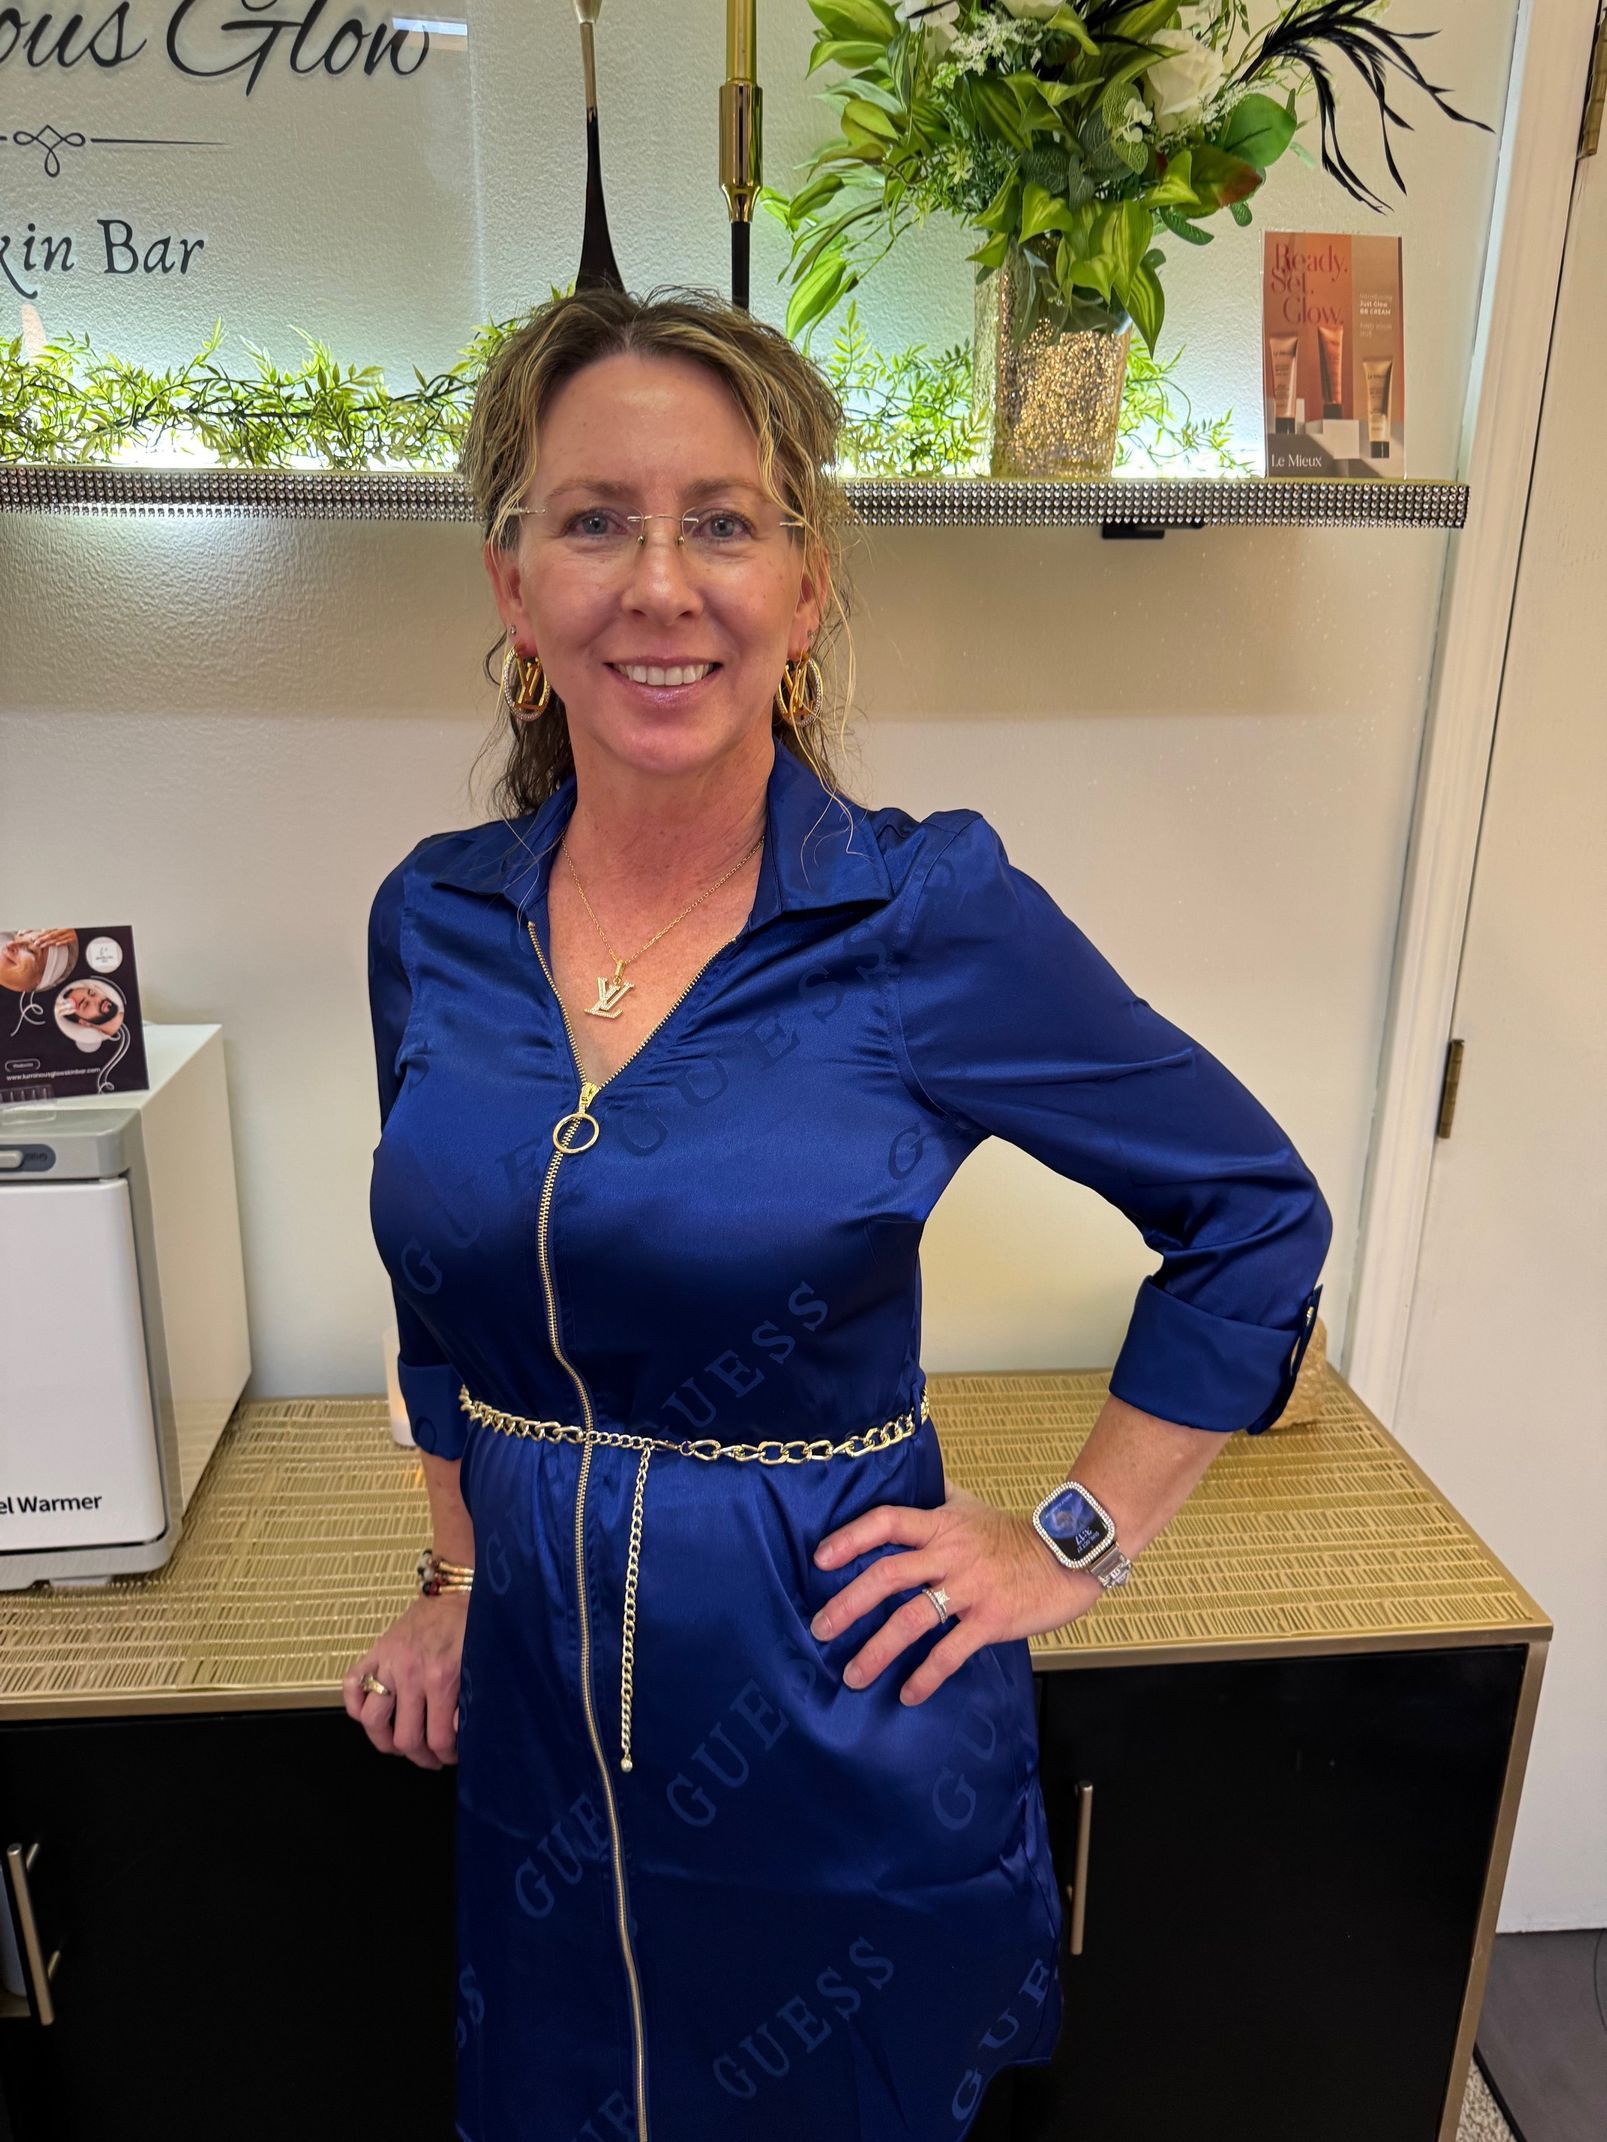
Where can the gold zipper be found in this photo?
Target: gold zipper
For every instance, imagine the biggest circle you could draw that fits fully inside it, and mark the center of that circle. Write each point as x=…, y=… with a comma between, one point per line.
x=562, y=1136
x=588, y=1089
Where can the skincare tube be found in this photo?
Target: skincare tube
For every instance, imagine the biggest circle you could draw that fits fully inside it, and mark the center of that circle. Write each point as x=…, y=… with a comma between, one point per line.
x=1379, y=373
x=1331, y=357
x=1282, y=350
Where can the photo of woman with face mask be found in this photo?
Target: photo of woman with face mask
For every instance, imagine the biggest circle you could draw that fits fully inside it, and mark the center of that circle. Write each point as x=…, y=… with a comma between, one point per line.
x=36, y=959
x=31, y=960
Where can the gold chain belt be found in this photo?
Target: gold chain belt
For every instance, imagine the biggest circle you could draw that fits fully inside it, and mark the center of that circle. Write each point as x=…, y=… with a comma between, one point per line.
x=793, y=1450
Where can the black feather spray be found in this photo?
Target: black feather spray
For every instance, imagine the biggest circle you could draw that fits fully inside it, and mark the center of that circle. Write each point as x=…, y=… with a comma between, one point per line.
x=1311, y=33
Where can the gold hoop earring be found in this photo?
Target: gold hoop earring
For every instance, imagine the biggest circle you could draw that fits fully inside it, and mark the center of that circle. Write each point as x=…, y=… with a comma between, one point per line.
x=801, y=691
x=534, y=694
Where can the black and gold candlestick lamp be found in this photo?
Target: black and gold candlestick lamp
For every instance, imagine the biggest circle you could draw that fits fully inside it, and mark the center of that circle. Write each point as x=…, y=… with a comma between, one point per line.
x=598, y=268
x=741, y=155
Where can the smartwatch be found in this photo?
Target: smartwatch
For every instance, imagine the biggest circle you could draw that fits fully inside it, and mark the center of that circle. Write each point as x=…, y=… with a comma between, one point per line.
x=1081, y=1533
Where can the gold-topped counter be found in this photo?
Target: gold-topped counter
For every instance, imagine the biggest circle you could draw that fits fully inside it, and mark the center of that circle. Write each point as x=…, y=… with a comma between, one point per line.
x=1320, y=1536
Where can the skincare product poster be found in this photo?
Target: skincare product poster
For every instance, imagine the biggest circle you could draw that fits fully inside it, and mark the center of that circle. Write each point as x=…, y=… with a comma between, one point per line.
x=1333, y=355
x=69, y=1014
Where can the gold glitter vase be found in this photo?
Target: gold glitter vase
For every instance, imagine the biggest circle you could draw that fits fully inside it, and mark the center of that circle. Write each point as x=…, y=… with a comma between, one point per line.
x=1053, y=402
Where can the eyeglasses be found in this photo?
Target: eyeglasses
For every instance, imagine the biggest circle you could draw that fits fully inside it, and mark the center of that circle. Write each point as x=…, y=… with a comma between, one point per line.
x=603, y=540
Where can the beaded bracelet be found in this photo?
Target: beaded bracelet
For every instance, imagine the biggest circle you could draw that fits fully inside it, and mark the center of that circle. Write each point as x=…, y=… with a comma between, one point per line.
x=435, y=1575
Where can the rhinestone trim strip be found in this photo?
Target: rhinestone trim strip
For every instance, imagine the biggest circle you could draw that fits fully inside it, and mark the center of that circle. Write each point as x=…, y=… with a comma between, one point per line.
x=892, y=502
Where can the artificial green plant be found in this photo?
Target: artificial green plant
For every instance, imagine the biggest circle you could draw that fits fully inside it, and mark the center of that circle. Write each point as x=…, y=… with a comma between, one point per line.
x=908, y=412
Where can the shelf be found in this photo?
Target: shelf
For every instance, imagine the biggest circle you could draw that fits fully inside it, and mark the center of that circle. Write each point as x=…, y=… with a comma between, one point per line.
x=1122, y=505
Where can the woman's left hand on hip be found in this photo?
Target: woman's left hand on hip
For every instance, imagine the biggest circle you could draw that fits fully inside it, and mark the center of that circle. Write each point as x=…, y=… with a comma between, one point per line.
x=1000, y=1579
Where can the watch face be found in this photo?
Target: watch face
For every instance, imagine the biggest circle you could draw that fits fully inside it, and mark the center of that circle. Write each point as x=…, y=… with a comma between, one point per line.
x=1074, y=1524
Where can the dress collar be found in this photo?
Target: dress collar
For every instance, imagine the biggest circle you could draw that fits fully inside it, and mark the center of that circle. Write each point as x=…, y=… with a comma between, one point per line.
x=818, y=852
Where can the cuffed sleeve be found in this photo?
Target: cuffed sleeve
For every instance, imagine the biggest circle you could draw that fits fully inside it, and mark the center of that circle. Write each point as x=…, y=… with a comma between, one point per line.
x=429, y=1383
x=1013, y=1025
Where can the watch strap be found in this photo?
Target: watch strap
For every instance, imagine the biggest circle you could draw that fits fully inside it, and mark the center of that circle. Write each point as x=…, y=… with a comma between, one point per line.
x=1112, y=1567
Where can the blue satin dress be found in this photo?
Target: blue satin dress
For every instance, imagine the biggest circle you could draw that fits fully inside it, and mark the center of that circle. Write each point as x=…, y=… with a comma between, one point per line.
x=802, y=1910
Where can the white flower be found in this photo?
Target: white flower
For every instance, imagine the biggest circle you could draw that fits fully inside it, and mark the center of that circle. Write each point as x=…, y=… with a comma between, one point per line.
x=1135, y=118
x=940, y=24
x=1032, y=10
x=1179, y=85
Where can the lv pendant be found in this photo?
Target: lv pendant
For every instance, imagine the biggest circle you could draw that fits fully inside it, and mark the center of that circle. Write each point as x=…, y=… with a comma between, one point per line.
x=610, y=996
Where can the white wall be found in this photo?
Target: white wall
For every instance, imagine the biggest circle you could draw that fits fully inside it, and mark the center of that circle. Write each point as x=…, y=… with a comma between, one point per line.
x=225, y=732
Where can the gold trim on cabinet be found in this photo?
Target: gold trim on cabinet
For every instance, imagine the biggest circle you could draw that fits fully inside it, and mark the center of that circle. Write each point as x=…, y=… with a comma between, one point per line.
x=1495, y=1875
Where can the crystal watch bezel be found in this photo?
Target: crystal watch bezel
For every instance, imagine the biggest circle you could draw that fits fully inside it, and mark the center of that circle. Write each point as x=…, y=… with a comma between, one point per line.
x=1101, y=1547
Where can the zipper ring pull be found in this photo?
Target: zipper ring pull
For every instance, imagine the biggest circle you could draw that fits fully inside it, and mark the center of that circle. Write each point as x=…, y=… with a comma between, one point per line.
x=565, y=1130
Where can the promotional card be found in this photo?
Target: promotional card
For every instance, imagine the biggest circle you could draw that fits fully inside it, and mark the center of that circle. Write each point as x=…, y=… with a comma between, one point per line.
x=69, y=1014
x=1333, y=355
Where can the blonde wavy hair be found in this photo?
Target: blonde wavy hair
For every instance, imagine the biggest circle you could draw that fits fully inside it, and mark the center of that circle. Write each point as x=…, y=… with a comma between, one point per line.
x=794, y=415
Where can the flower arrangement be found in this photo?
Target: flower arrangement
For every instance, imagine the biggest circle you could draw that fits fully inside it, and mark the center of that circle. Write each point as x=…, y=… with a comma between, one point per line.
x=1070, y=137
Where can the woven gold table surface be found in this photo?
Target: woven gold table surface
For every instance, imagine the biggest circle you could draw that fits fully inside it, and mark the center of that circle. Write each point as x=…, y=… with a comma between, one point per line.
x=1321, y=1535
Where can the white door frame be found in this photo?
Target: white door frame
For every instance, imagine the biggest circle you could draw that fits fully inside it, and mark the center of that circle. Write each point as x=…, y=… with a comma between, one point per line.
x=1500, y=429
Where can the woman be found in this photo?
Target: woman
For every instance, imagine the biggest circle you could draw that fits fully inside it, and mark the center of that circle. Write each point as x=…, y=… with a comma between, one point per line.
x=674, y=1061
x=36, y=959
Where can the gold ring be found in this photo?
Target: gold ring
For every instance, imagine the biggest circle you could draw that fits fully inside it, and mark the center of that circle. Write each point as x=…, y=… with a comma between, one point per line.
x=373, y=1687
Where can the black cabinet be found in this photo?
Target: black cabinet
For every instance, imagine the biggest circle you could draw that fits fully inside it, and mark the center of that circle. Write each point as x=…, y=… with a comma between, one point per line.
x=1286, y=1864
x=253, y=1913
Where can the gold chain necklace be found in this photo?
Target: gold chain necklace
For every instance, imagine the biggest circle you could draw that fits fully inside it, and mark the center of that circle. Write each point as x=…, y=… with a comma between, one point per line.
x=611, y=989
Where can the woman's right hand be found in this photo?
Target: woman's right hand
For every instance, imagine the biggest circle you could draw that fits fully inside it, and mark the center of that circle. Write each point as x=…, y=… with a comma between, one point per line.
x=420, y=1660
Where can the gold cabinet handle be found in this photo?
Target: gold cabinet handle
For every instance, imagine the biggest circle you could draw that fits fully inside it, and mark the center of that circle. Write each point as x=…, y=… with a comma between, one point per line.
x=1077, y=1887
x=19, y=1864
